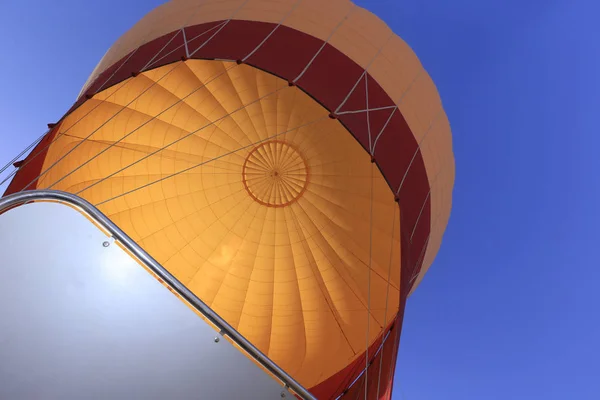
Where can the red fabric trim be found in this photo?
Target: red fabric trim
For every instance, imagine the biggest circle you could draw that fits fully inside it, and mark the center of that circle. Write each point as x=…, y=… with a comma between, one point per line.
x=31, y=166
x=329, y=79
x=344, y=380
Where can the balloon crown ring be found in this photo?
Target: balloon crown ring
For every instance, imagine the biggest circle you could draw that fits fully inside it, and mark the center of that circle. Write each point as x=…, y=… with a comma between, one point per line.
x=275, y=173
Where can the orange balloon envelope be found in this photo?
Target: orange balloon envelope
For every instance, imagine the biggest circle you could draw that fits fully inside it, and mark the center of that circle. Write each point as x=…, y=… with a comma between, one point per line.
x=289, y=161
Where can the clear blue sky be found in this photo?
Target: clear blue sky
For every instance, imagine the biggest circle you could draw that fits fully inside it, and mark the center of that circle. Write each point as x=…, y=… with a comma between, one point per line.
x=510, y=309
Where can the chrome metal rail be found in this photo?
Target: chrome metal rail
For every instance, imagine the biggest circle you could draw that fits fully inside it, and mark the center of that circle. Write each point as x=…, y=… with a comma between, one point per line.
x=21, y=198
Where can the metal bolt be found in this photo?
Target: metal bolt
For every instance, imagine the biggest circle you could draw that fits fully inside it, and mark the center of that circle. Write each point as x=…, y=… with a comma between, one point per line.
x=106, y=244
x=217, y=339
x=282, y=395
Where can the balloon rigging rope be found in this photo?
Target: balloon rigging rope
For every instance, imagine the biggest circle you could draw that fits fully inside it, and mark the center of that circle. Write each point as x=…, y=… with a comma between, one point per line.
x=363, y=75
x=384, y=128
x=154, y=117
x=369, y=279
x=392, y=368
x=397, y=327
x=421, y=258
x=145, y=40
x=415, y=275
x=419, y=217
x=387, y=295
x=170, y=144
x=8, y=164
x=299, y=225
x=397, y=105
x=301, y=74
x=429, y=128
x=367, y=110
x=362, y=370
x=107, y=121
x=210, y=160
x=431, y=186
x=85, y=139
x=370, y=241
x=113, y=144
x=218, y=30
x=273, y=31
x=178, y=102
x=58, y=136
x=68, y=129
x=119, y=88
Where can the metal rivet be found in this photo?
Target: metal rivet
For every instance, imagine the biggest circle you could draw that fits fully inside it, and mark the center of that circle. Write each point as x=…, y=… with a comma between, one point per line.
x=106, y=244
x=217, y=339
x=282, y=395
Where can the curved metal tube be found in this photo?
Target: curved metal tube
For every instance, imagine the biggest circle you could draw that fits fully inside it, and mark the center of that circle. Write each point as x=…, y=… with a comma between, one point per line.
x=21, y=198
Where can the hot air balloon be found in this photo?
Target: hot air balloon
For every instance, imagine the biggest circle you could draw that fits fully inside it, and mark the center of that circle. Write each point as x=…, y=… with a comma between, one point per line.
x=289, y=162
